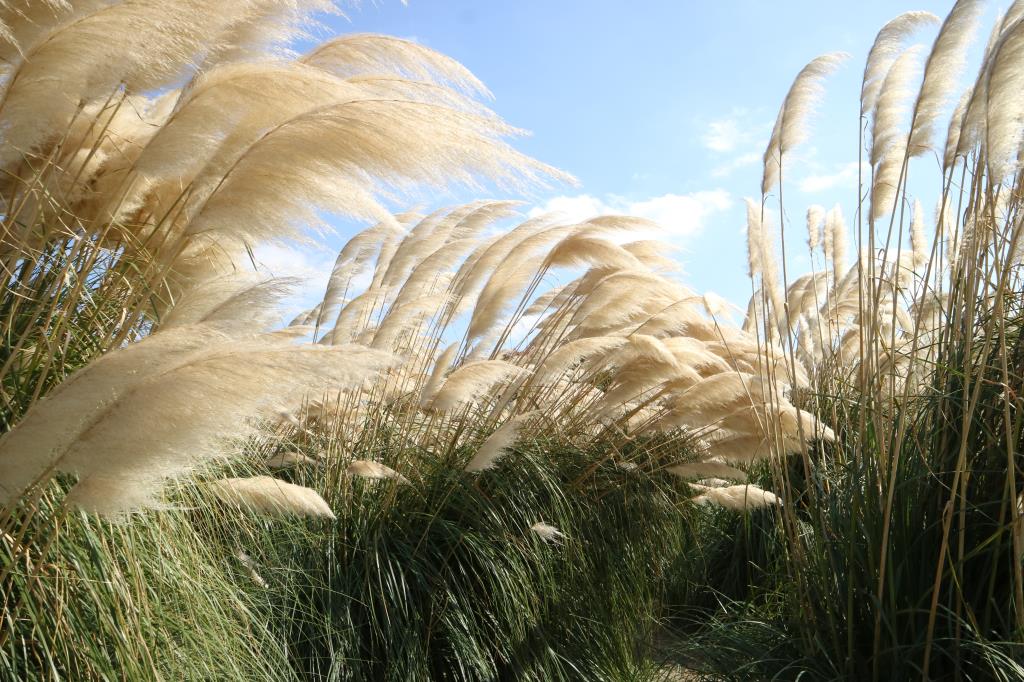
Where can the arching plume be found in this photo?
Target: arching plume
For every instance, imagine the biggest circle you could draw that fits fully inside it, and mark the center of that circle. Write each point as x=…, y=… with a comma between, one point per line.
x=941, y=71
x=492, y=449
x=171, y=400
x=886, y=48
x=791, y=124
x=266, y=495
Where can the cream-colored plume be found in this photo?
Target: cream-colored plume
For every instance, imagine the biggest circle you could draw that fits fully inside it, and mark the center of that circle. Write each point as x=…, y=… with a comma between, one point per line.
x=366, y=468
x=161, y=407
x=271, y=496
x=492, y=449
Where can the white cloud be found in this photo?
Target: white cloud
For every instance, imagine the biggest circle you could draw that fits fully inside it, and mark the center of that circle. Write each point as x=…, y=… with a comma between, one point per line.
x=723, y=135
x=679, y=215
x=741, y=129
x=311, y=265
x=741, y=161
x=682, y=215
x=845, y=177
x=735, y=140
x=574, y=209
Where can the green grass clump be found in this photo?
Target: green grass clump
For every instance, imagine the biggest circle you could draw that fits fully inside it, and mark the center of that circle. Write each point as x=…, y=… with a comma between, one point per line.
x=443, y=579
x=145, y=599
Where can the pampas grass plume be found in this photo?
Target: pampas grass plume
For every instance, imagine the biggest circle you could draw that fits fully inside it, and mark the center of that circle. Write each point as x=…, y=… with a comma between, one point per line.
x=735, y=497
x=498, y=443
x=270, y=496
x=547, y=532
x=365, y=468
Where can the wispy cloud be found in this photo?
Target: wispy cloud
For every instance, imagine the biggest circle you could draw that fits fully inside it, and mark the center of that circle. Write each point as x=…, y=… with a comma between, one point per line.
x=739, y=136
x=735, y=164
x=845, y=176
x=310, y=265
x=723, y=135
x=679, y=215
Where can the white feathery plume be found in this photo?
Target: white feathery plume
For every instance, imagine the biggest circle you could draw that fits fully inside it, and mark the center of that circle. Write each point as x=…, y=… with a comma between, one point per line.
x=652, y=253
x=636, y=297
x=239, y=301
x=956, y=128
x=362, y=53
x=617, y=224
x=424, y=238
x=719, y=395
x=433, y=269
x=835, y=226
x=353, y=258
x=571, y=353
x=1015, y=12
x=510, y=278
x=271, y=496
x=441, y=366
x=770, y=281
x=471, y=381
x=498, y=443
x=25, y=21
x=578, y=250
x=354, y=315
x=741, y=449
x=143, y=59
x=31, y=450
x=967, y=127
x=942, y=70
x=410, y=143
x=645, y=350
x=552, y=298
x=489, y=256
x=269, y=27
x=547, y=532
x=375, y=471
x=388, y=248
x=736, y=497
x=890, y=113
x=887, y=46
x=436, y=379
x=482, y=216
x=947, y=225
x=751, y=320
x=716, y=306
x=754, y=244
x=791, y=125
x=403, y=318
x=815, y=217
x=1004, y=104
x=168, y=404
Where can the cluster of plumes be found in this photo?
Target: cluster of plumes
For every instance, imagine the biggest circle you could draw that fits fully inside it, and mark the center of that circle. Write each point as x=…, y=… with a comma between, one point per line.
x=575, y=328
x=876, y=320
x=441, y=331
x=147, y=147
x=163, y=407
x=196, y=134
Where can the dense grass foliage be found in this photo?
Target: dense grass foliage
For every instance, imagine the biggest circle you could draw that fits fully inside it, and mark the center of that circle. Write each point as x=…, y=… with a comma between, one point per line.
x=153, y=599
x=443, y=579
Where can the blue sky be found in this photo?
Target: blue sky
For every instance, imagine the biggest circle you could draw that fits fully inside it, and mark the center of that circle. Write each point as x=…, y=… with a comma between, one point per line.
x=663, y=107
